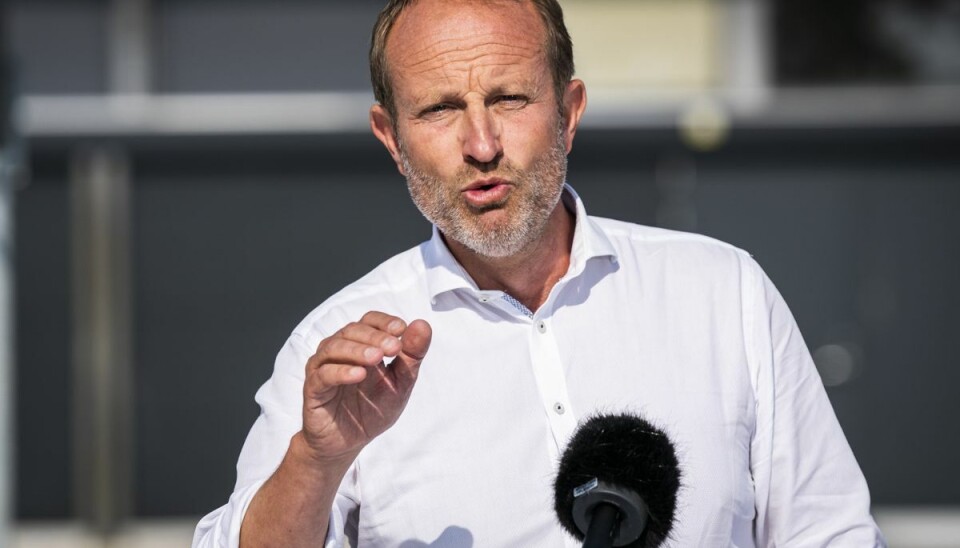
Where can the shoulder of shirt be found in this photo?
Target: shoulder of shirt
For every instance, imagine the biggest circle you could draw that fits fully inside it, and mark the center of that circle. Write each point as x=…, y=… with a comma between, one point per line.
x=389, y=282
x=624, y=234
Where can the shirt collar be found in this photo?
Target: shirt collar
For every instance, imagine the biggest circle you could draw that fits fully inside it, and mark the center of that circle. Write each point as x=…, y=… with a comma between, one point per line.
x=444, y=273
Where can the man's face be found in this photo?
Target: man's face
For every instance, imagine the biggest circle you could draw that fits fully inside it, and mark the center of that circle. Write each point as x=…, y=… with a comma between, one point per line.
x=479, y=135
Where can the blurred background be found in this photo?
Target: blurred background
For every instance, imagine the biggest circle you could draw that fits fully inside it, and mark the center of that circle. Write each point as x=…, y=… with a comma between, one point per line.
x=181, y=181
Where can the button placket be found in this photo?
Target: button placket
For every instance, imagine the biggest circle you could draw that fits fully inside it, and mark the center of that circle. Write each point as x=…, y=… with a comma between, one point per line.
x=551, y=382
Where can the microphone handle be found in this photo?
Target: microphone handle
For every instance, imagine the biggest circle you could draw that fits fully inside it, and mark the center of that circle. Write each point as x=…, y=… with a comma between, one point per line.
x=603, y=522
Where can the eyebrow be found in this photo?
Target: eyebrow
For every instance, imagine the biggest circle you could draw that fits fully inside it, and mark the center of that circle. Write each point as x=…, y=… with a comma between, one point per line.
x=527, y=86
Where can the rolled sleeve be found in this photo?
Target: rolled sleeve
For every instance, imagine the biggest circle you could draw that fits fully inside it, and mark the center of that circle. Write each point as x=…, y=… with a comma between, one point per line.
x=281, y=402
x=221, y=528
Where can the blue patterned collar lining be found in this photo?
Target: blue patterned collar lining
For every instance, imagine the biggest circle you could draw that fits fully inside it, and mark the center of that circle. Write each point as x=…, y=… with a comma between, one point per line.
x=518, y=305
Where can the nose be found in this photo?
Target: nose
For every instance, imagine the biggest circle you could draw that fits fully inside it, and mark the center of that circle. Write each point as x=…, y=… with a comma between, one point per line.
x=481, y=137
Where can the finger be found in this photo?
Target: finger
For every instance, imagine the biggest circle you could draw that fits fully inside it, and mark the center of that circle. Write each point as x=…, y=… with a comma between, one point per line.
x=384, y=322
x=372, y=336
x=349, y=352
x=321, y=380
x=416, y=341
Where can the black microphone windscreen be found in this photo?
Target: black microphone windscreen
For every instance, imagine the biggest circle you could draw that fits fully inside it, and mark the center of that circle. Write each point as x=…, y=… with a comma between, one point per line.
x=625, y=451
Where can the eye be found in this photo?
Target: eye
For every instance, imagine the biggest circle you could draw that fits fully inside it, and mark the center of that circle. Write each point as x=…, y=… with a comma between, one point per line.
x=439, y=108
x=513, y=101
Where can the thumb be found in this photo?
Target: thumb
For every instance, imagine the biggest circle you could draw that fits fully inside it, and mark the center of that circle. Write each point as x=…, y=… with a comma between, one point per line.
x=414, y=345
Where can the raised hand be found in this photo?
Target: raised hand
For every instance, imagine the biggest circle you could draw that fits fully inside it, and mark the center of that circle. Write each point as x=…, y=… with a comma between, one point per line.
x=349, y=395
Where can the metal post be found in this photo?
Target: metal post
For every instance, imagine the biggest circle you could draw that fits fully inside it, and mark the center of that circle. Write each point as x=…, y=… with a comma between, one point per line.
x=102, y=314
x=131, y=47
x=7, y=377
x=747, y=56
x=6, y=291
x=103, y=440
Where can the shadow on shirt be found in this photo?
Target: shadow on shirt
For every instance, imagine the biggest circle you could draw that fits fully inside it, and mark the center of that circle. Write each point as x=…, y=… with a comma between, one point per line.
x=451, y=536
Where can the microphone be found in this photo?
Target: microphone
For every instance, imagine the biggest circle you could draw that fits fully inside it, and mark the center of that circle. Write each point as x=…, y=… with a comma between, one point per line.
x=617, y=483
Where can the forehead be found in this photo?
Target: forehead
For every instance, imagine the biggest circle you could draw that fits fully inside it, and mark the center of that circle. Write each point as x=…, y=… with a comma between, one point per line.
x=449, y=34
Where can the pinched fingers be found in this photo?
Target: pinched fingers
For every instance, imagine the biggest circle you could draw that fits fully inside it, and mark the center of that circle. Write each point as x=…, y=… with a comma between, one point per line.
x=344, y=357
x=358, y=344
x=369, y=335
x=341, y=361
x=384, y=322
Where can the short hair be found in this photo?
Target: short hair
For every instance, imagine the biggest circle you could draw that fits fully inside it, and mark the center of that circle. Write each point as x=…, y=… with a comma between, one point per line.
x=559, y=49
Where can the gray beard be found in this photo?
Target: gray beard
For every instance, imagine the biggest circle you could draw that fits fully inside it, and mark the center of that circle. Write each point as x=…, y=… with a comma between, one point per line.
x=536, y=194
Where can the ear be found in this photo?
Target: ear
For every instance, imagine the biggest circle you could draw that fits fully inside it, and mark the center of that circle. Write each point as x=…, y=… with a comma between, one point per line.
x=574, y=103
x=382, y=125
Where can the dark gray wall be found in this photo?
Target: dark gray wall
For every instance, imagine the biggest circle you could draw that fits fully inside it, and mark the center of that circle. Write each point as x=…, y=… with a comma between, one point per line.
x=200, y=45
x=41, y=271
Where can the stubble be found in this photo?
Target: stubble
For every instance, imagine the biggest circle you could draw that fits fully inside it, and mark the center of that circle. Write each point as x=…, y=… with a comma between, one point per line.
x=536, y=192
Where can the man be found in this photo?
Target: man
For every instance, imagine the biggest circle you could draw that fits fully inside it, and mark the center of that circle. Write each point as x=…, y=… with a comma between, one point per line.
x=525, y=315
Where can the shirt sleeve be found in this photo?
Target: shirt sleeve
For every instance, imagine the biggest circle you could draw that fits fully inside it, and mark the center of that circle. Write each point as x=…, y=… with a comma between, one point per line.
x=281, y=402
x=809, y=488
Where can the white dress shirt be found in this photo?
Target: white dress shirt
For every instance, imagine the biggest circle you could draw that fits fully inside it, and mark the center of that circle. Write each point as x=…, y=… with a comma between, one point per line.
x=683, y=329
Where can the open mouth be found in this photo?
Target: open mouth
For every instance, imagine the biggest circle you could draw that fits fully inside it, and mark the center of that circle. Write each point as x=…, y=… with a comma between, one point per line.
x=484, y=194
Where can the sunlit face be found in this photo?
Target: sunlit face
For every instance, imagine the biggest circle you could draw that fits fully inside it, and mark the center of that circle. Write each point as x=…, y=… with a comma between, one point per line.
x=523, y=210
x=479, y=134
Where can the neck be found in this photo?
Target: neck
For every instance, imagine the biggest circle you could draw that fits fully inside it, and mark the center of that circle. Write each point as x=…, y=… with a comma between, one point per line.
x=531, y=273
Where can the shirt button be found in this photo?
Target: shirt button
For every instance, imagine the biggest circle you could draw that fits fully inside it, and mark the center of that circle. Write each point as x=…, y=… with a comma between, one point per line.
x=542, y=326
x=484, y=298
x=558, y=408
